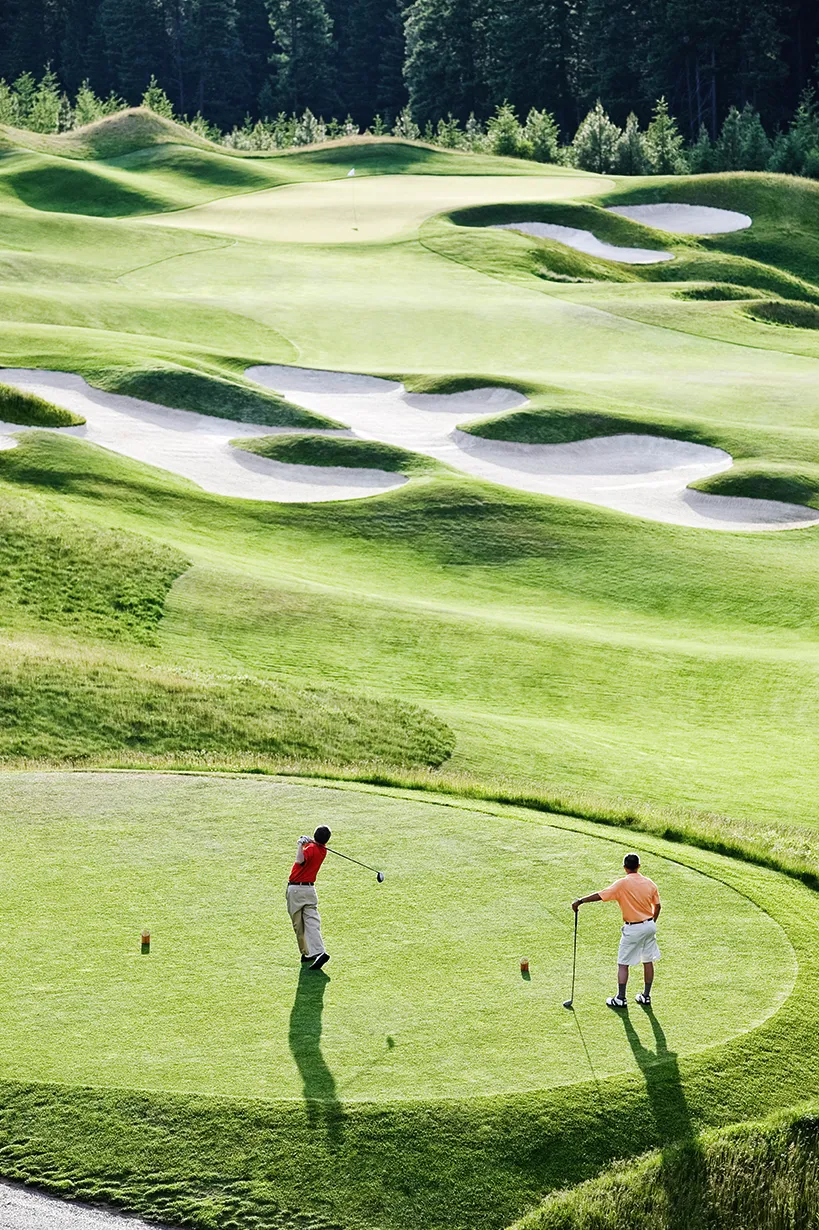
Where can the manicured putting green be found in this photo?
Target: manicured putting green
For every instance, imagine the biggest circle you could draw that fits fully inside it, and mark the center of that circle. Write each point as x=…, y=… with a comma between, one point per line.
x=370, y=209
x=423, y=997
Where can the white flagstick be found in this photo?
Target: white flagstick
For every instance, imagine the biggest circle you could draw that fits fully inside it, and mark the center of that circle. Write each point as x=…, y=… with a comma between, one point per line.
x=351, y=175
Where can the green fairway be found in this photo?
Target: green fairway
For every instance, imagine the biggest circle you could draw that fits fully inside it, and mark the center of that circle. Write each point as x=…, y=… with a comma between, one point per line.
x=424, y=997
x=483, y=644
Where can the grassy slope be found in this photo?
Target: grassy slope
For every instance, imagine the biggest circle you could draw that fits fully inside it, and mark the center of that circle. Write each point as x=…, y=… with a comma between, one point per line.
x=543, y=633
x=762, y=1175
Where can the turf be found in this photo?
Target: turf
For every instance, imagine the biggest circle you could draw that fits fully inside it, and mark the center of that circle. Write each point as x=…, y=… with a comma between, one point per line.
x=220, y=1000
x=646, y=674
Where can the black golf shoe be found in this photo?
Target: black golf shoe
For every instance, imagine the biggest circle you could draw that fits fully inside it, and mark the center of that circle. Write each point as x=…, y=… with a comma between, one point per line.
x=306, y=960
x=320, y=960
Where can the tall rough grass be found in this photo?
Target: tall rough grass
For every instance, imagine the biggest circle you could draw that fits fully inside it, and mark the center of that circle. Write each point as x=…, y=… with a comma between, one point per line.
x=759, y=1176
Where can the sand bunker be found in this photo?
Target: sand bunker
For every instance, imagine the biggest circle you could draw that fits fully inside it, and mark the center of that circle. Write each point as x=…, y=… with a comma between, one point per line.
x=646, y=476
x=685, y=219
x=193, y=446
x=584, y=241
x=643, y=475
x=22, y=1209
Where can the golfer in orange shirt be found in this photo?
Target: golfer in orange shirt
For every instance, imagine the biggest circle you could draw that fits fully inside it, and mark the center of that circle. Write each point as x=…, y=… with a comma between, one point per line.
x=639, y=901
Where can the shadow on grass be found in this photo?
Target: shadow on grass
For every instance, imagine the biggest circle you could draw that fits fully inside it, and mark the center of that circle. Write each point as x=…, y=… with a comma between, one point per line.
x=304, y=1038
x=683, y=1171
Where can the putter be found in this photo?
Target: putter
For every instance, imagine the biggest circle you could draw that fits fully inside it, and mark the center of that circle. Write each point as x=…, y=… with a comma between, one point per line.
x=379, y=875
x=567, y=1003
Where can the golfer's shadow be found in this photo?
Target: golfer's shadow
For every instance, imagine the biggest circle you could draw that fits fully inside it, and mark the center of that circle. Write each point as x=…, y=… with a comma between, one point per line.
x=672, y=1119
x=304, y=1037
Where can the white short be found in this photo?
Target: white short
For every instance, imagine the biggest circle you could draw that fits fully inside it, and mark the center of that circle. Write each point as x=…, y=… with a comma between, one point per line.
x=638, y=943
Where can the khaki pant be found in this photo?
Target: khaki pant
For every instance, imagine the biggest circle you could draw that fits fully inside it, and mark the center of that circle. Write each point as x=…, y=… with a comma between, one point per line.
x=302, y=906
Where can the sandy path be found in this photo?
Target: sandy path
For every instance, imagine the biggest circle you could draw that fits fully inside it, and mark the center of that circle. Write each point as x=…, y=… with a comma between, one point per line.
x=368, y=209
x=24, y=1209
x=645, y=476
x=193, y=446
x=585, y=241
x=685, y=219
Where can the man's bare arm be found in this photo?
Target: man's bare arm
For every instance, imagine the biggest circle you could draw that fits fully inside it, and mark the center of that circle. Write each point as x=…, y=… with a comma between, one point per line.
x=582, y=901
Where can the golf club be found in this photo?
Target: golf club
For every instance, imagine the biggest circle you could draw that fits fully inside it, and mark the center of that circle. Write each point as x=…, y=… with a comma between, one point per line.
x=379, y=875
x=567, y=1003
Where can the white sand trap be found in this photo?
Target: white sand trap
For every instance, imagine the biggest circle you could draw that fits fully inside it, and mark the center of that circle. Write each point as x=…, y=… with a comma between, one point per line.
x=645, y=476
x=584, y=241
x=685, y=219
x=193, y=446
x=23, y=1209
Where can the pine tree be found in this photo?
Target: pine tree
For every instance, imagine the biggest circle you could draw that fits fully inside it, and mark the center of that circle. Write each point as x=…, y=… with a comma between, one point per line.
x=664, y=144
x=302, y=38
x=44, y=110
x=743, y=145
x=527, y=54
x=595, y=144
x=630, y=155
x=25, y=90
x=702, y=156
x=221, y=81
x=610, y=52
x=87, y=107
x=542, y=134
x=729, y=145
x=756, y=148
x=506, y=135
x=156, y=100
x=9, y=112
x=443, y=68
x=133, y=36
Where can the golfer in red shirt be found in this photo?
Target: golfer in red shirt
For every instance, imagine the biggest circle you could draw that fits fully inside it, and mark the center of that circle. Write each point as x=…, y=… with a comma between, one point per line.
x=302, y=899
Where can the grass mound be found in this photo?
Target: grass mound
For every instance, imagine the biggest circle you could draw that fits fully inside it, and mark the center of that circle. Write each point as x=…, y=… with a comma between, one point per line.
x=719, y=292
x=69, y=573
x=307, y=450
x=761, y=1175
x=567, y=425
x=113, y=136
x=757, y=480
x=205, y=393
x=60, y=186
x=29, y=410
x=783, y=312
x=83, y=707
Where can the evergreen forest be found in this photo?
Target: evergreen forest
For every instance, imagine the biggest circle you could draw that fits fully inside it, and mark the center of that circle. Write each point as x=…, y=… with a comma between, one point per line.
x=441, y=64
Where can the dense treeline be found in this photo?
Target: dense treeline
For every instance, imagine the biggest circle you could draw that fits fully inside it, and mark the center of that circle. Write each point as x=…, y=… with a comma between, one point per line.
x=230, y=58
x=599, y=144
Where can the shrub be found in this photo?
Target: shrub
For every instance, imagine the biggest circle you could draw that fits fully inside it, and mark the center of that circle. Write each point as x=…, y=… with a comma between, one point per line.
x=664, y=143
x=595, y=144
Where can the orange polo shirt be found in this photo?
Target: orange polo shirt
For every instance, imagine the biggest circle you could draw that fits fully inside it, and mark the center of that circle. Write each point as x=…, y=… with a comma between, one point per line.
x=635, y=894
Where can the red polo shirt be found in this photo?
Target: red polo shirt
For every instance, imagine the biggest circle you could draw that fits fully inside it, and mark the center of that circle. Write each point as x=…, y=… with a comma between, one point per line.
x=306, y=872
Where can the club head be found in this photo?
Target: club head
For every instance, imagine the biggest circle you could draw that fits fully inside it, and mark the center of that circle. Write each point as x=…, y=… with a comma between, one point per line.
x=567, y=1003
x=379, y=875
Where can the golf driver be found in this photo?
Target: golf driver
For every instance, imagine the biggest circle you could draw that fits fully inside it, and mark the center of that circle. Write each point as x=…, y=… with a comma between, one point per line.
x=567, y=1003
x=379, y=875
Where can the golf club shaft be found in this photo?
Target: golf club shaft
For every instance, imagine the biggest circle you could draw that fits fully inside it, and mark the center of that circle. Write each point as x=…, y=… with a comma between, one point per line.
x=351, y=860
x=574, y=952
